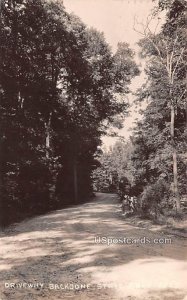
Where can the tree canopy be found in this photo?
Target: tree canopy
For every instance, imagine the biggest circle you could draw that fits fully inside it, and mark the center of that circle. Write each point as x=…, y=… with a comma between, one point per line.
x=60, y=85
x=156, y=165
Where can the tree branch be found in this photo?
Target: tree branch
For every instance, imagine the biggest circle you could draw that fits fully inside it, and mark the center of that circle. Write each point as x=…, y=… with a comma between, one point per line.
x=177, y=63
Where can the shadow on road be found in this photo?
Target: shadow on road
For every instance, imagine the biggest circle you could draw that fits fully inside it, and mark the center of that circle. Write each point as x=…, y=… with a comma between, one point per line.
x=60, y=247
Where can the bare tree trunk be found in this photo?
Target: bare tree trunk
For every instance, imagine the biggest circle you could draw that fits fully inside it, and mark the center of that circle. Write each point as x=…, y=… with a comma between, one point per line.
x=174, y=154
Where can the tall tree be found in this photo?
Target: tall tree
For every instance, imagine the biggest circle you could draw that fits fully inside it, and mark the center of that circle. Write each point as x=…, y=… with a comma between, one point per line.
x=57, y=90
x=166, y=67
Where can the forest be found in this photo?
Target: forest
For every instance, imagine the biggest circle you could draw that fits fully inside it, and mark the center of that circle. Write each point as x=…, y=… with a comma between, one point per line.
x=62, y=88
x=59, y=88
x=151, y=166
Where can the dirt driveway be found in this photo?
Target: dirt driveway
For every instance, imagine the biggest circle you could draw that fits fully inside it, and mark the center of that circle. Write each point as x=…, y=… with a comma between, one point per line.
x=90, y=252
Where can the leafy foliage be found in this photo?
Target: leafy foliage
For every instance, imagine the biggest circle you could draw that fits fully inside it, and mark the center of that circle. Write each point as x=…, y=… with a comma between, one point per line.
x=154, y=163
x=160, y=138
x=57, y=90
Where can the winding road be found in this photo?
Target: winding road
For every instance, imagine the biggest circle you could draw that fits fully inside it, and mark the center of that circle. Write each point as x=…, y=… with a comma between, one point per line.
x=91, y=251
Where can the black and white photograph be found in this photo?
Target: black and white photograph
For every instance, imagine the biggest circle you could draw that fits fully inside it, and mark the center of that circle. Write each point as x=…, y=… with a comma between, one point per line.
x=93, y=149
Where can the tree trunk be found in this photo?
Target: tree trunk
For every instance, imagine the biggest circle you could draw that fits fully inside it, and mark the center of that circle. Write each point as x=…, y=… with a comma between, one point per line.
x=75, y=181
x=174, y=154
x=47, y=140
